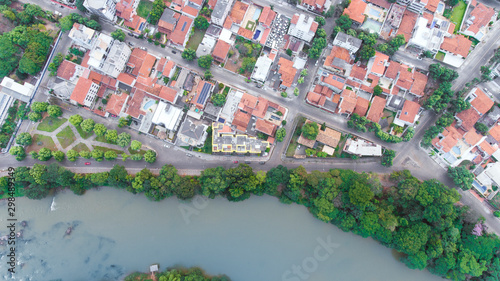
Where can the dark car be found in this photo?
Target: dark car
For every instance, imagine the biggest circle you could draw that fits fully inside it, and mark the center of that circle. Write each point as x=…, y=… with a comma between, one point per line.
x=174, y=52
x=248, y=162
x=130, y=34
x=262, y=163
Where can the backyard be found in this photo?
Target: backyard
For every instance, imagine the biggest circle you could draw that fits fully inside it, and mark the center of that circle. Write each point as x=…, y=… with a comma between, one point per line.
x=457, y=14
x=195, y=39
x=242, y=56
x=439, y=56
x=144, y=8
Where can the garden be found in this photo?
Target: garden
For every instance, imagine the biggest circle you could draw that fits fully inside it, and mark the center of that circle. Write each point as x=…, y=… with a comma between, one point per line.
x=242, y=56
x=457, y=14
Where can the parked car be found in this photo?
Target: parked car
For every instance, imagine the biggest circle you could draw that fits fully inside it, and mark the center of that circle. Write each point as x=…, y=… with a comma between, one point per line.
x=130, y=44
x=235, y=162
x=87, y=163
x=130, y=34
x=143, y=48
x=174, y=52
x=189, y=155
x=262, y=163
x=167, y=146
x=248, y=162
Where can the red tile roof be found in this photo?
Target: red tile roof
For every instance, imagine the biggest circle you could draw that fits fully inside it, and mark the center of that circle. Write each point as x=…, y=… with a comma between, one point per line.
x=168, y=94
x=166, y=27
x=135, y=23
x=482, y=102
x=392, y=70
x=248, y=34
x=337, y=52
x=358, y=72
x=147, y=65
x=134, y=104
x=381, y=3
x=458, y=45
x=482, y=16
x=262, y=106
x=287, y=71
x=126, y=78
x=168, y=68
x=450, y=139
x=348, y=101
x=228, y=22
x=362, y=105
x=488, y=148
x=409, y=111
x=428, y=16
x=451, y=28
x=211, y=4
x=238, y=12
x=241, y=120
x=379, y=62
x=376, y=109
x=407, y=24
x=495, y=132
x=199, y=89
x=356, y=10
x=471, y=137
x=432, y=5
x=295, y=19
x=405, y=79
x=66, y=70
x=136, y=59
x=265, y=127
x=469, y=117
x=419, y=83
x=334, y=80
x=316, y=99
x=190, y=10
x=181, y=30
x=115, y=103
x=81, y=89
x=267, y=16
x=249, y=101
x=221, y=50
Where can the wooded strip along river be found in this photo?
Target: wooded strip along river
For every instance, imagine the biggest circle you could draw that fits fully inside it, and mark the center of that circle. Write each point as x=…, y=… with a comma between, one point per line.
x=115, y=233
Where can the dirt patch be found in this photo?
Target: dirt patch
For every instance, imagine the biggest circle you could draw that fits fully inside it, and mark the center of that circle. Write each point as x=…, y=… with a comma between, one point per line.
x=233, y=63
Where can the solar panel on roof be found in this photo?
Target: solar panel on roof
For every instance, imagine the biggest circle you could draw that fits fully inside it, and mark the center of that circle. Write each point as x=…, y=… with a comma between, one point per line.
x=184, y=26
x=204, y=94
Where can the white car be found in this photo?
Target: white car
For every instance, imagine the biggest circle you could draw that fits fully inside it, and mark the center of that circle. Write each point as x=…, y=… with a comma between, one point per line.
x=167, y=146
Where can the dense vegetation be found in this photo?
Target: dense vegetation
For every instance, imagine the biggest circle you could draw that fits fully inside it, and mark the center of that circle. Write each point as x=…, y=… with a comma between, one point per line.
x=419, y=219
x=191, y=274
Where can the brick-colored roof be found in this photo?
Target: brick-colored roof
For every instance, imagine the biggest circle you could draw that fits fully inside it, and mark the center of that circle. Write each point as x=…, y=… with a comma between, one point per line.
x=495, y=132
x=337, y=52
x=179, y=35
x=134, y=104
x=96, y=77
x=126, y=78
x=66, y=70
x=329, y=137
x=314, y=3
x=262, y=106
x=190, y=10
x=487, y=147
x=168, y=94
x=392, y=70
x=419, y=83
x=451, y=28
x=136, y=59
x=358, y=72
x=314, y=26
x=472, y=137
x=407, y=24
x=135, y=23
x=221, y=49
x=199, y=89
x=164, y=26
x=238, y=12
x=450, y=139
x=316, y=99
x=428, y=16
x=249, y=101
x=348, y=101
x=458, y=45
x=409, y=111
x=362, y=105
x=241, y=120
x=265, y=127
x=295, y=19
x=168, y=68
x=356, y=10
x=267, y=16
x=405, y=79
x=115, y=103
x=432, y=5
x=245, y=33
x=147, y=65
x=482, y=16
x=228, y=22
x=376, y=109
x=287, y=71
x=482, y=102
x=334, y=80
x=379, y=62
x=381, y=3
x=469, y=117
x=211, y=4
x=81, y=89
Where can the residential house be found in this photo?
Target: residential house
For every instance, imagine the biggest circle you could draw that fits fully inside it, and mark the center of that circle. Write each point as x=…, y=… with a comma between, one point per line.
x=287, y=72
x=180, y=35
x=265, y=127
x=378, y=63
x=356, y=10
x=136, y=24
x=384, y=4
x=168, y=21
x=456, y=49
x=69, y=71
x=362, y=147
x=407, y=24
x=417, y=6
x=348, y=42
x=419, y=83
x=432, y=5
x=317, y=6
x=267, y=17
x=116, y=103
x=323, y=98
x=329, y=137
x=487, y=179
x=125, y=9
x=85, y=92
x=203, y=92
x=348, y=100
x=169, y=117
x=333, y=82
x=108, y=55
x=408, y=115
x=192, y=132
x=429, y=33
x=221, y=51
x=338, y=60
x=480, y=104
x=236, y=16
x=225, y=140
x=392, y=21
x=362, y=105
x=477, y=24
x=376, y=110
x=303, y=27
x=82, y=35
x=103, y=8
x=18, y=91
x=446, y=140
x=206, y=46
x=261, y=69
x=220, y=12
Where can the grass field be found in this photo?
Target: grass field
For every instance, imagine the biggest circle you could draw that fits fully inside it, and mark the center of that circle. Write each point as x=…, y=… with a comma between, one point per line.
x=103, y=139
x=250, y=25
x=457, y=14
x=50, y=124
x=83, y=134
x=144, y=8
x=195, y=39
x=439, y=56
x=81, y=147
x=40, y=141
x=140, y=151
x=107, y=149
x=66, y=137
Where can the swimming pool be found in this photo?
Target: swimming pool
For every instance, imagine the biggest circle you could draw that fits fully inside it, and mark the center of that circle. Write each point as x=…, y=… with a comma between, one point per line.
x=440, y=8
x=256, y=14
x=372, y=26
x=148, y=104
x=479, y=187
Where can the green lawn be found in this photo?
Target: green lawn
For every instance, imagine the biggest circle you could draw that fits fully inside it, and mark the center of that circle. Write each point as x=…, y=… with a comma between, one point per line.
x=439, y=56
x=40, y=141
x=250, y=25
x=144, y=8
x=226, y=90
x=81, y=147
x=50, y=124
x=66, y=137
x=140, y=151
x=107, y=149
x=84, y=134
x=195, y=39
x=457, y=14
x=103, y=139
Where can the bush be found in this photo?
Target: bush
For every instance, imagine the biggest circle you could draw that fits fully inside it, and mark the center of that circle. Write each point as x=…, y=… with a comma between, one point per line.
x=284, y=94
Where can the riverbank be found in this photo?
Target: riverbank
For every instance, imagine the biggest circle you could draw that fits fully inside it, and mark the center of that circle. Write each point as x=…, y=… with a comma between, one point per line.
x=419, y=219
x=176, y=274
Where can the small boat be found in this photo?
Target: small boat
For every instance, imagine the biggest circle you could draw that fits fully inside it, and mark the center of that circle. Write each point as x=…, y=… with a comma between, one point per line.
x=24, y=223
x=68, y=231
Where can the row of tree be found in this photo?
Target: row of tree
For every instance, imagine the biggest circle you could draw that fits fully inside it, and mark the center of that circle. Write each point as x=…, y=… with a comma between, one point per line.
x=420, y=219
x=177, y=274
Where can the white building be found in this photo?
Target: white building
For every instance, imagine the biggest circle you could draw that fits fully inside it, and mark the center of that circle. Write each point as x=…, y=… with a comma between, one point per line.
x=348, y=42
x=220, y=12
x=102, y=8
x=168, y=116
x=109, y=56
x=429, y=36
x=206, y=46
x=18, y=91
x=303, y=27
x=82, y=35
x=362, y=148
x=261, y=69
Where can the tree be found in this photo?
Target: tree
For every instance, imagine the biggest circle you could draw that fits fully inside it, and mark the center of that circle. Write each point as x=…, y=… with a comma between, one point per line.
x=320, y=33
x=136, y=157
x=205, y=61
x=208, y=74
x=314, y=53
x=296, y=91
x=19, y=152
x=80, y=7
x=58, y=155
x=122, y=122
x=24, y=139
x=189, y=54
x=360, y=195
x=44, y=154
x=97, y=154
x=344, y=22
x=85, y=154
x=461, y=176
x=300, y=80
x=366, y=52
x=87, y=125
x=248, y=63
x=123, y=139
x=112, y=136
x=75, y=120
x=110, y=155
x=482, y=128
x=135, y=145
x=303, y=72
x=201, y=23
x=445, y=120
x=72, y=155
x=100, y=129
x=377, y=90
x=320, y=20
x=54, y=111
x=118, y=35
x=280, y=134
x=219, y=99
x=156, y=11
x=310, y=130
x=459, y=105
x=39, y=107
x=289, y=52
x=387, y=157
x=150, y=156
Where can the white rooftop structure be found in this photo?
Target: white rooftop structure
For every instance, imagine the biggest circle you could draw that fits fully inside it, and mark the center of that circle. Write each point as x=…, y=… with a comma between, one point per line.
x=362, y=147
x=102, y=8
x=206, y=46
x=225, y=36
x=109, y=56
x=490, y=176
x=231, y=105
x=302, y=27
x=429, y=36
x=167, y=115
x=261, y=69
x=299, y=63
x=5, y=103
x=99, y=50
x=82, y=35
x=18, y=91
